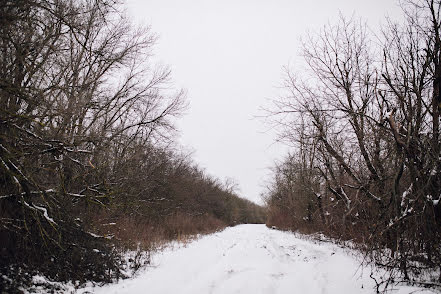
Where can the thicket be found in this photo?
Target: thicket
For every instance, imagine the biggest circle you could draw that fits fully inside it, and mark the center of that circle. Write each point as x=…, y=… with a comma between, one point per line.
x=364, y=122
x=88, y=166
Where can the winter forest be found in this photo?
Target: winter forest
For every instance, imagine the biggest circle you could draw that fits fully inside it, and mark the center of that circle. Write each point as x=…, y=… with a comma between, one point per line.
x=93, y=180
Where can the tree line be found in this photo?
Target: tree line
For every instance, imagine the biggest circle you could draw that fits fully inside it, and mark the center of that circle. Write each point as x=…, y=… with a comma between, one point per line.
x=364, y=122
x=88, y=162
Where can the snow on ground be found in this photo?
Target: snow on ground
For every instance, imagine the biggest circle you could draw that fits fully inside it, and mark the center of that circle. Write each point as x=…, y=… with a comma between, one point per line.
x=251, y=259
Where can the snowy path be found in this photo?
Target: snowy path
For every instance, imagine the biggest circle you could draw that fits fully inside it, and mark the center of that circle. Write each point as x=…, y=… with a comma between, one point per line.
x=250, y=259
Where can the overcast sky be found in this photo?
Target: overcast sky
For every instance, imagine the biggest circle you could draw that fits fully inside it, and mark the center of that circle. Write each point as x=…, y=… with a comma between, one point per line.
x=229, y=55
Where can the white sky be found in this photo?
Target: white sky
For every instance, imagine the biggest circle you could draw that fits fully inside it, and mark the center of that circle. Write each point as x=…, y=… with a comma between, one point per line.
x=229, y=55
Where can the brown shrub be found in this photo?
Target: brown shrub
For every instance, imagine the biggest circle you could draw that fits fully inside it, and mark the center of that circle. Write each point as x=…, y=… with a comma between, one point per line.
x=137, y=233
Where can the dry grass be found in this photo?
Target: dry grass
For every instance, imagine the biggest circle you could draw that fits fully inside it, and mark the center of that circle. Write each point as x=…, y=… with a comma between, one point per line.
x=136, y=233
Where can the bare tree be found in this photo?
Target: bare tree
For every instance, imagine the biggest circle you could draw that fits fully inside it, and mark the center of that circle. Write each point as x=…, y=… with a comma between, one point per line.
x=373, y=117
x=77, y=92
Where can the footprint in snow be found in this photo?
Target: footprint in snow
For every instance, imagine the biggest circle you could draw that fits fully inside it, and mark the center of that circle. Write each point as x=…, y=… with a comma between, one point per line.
x=277, y=275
